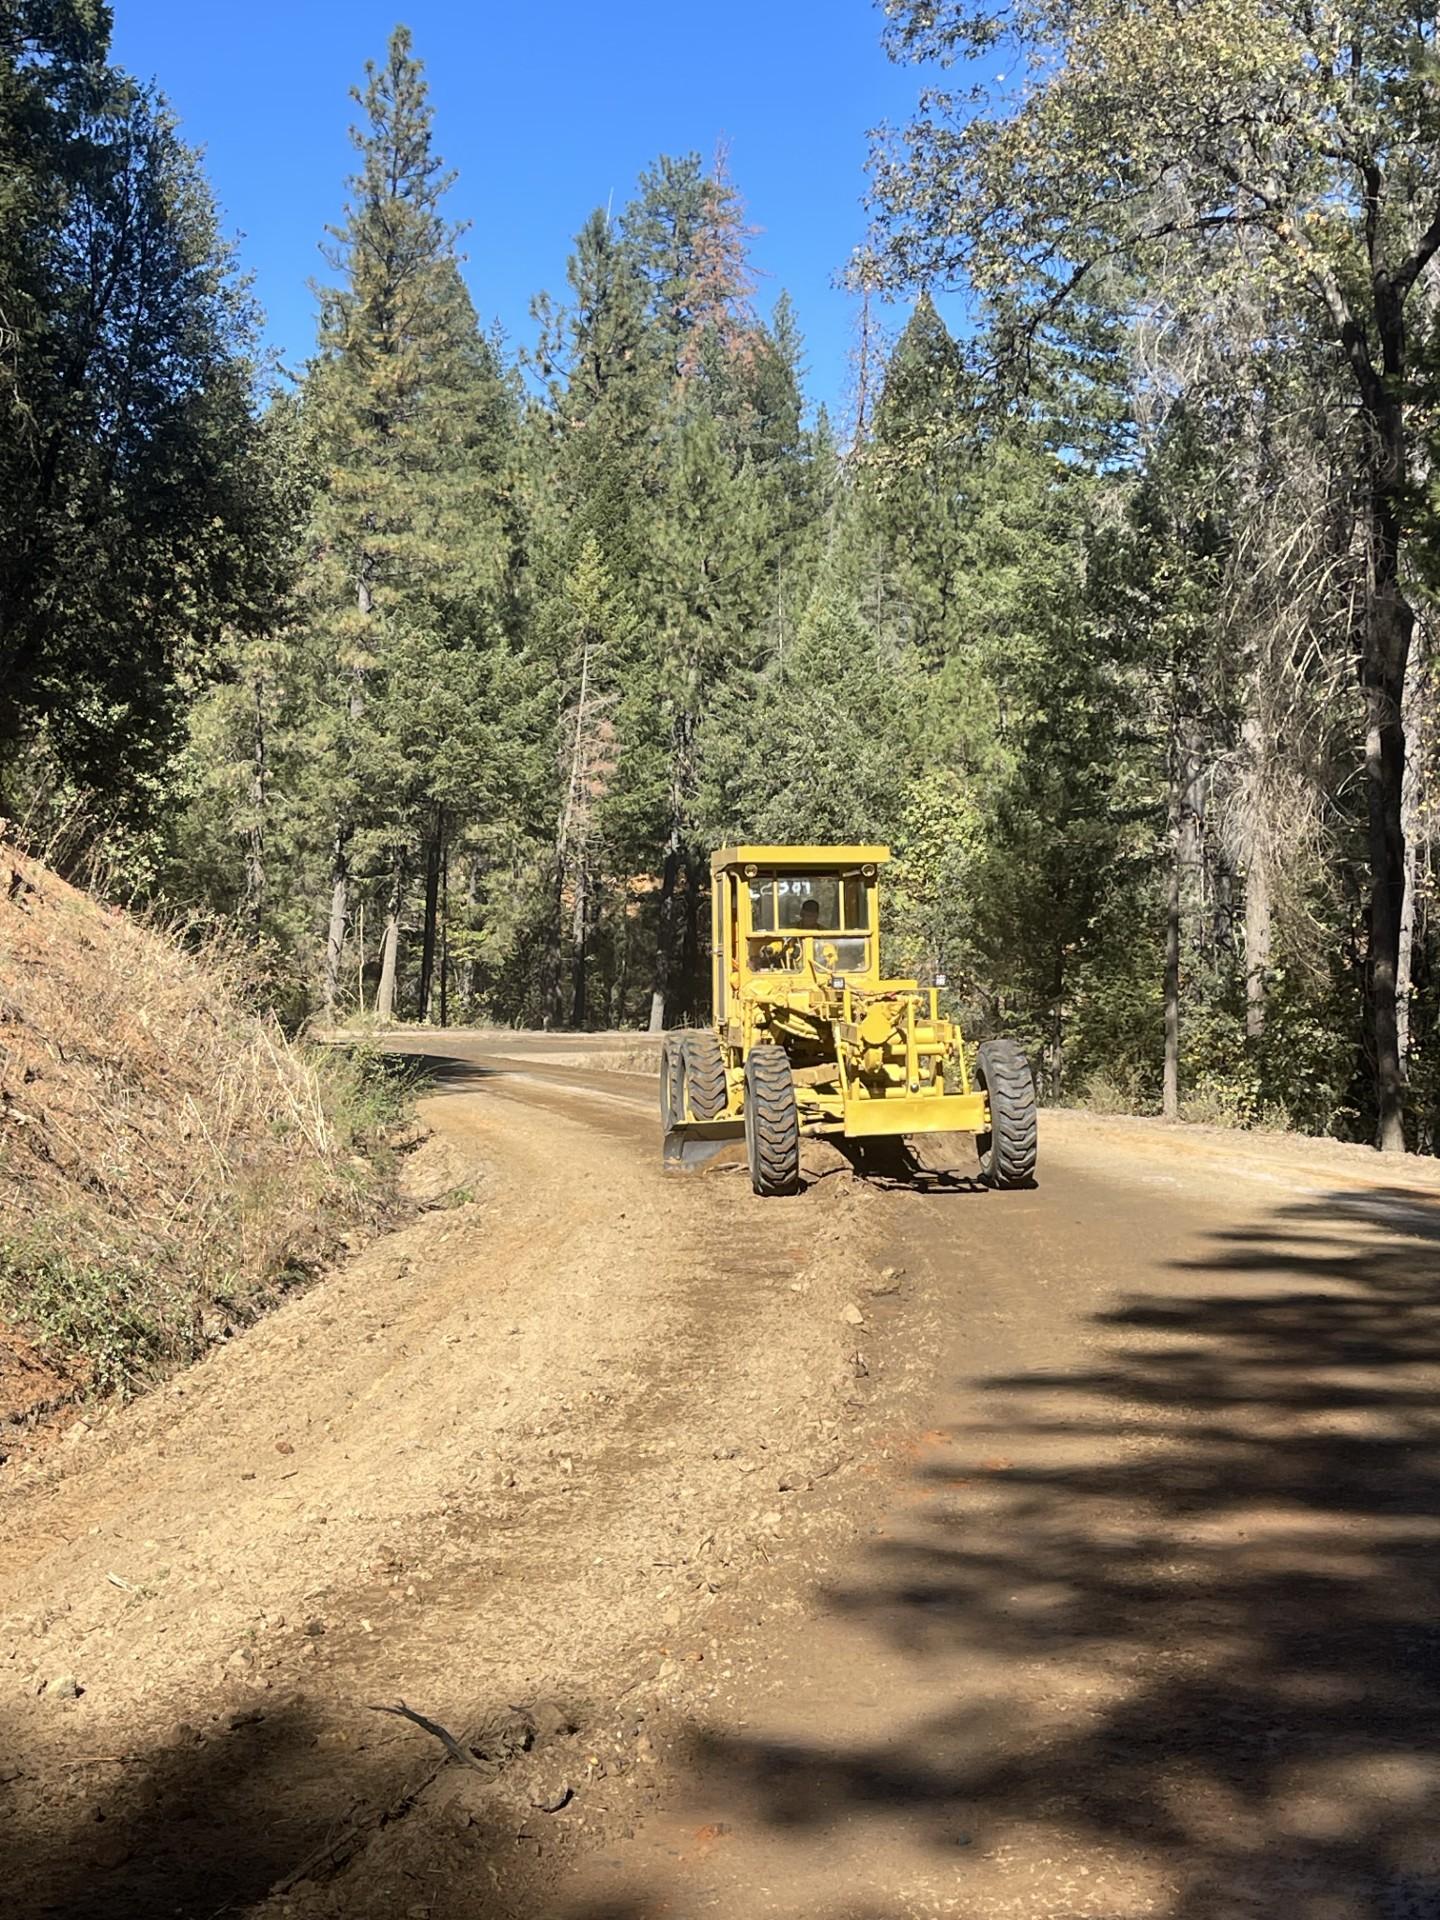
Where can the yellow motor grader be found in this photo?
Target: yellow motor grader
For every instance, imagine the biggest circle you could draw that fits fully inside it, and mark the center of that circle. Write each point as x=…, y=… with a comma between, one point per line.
x=809, y=1038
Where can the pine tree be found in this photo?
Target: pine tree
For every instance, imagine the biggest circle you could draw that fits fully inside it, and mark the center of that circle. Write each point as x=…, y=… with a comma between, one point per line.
x=599, y=629
x=412, y=532
x=915, y=480
x=127, y=438
x=595, y=433
x=687, y=233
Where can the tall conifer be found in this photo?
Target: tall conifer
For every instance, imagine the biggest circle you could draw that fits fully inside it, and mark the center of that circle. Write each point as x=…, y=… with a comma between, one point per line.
x=409, y=534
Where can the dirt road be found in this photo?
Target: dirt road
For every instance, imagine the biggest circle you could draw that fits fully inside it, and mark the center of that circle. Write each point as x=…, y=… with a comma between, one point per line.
x=873, y=1554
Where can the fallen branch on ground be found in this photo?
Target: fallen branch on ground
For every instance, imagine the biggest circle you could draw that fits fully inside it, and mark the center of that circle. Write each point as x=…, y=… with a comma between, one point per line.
x=451, y=1745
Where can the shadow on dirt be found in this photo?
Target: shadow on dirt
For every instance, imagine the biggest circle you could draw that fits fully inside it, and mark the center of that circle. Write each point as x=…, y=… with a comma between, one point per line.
x=1190, y=1628
x=224, y=1821
x=941, y=1164
x=194, y=1826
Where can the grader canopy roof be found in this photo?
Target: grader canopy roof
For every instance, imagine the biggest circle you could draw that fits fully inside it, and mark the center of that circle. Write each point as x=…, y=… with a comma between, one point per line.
x=799, y=857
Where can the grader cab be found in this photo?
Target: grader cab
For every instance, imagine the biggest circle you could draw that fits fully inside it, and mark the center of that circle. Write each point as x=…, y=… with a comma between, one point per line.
x=810, y=1038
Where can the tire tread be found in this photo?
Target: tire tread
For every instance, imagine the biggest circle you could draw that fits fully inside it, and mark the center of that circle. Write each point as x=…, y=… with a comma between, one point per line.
x=1014, y=1125
x=772, y=1121
x=706, y=1092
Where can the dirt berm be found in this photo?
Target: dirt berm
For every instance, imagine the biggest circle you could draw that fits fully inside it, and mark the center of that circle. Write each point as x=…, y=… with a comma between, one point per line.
x=169, y=1162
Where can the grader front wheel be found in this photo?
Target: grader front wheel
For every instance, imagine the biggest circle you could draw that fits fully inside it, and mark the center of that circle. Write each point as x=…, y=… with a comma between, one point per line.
x=702, y=1069
x=772, y=1122
x=1008, y=1150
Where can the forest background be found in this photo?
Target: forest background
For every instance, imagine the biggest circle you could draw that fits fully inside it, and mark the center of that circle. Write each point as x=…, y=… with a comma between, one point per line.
x=437, y=670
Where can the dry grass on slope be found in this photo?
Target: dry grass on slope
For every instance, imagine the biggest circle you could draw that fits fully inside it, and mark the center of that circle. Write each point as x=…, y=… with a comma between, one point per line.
x=168, y=1162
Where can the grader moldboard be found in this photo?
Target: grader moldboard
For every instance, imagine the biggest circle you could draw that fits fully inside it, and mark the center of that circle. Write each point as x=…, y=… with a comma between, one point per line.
x=810, y=1039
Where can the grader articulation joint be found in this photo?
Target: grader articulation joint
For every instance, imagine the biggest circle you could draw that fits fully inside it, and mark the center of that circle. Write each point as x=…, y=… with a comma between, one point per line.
x=809, y=1038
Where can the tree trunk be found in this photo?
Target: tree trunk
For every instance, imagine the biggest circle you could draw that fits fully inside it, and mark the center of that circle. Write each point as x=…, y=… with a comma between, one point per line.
x=662, y=999
x=1389, y=627
x=340, y=847
x=620, y=989
x=1185, y=810
x=1384, y=774
x=472, y=963
x=255, y=832
x=433, y=847
x=579, y=942
x=1405, y=968
x=665, y=939
x=390, y=944
x=1410, y=828
x=339, y=902
x=690, y=949
x=1055, y=1064
x=1170, y=1093
x=444, y=934
x=1259, y=904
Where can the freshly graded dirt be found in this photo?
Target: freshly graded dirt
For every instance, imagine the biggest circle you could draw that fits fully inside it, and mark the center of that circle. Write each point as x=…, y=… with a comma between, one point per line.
x=886, y=1552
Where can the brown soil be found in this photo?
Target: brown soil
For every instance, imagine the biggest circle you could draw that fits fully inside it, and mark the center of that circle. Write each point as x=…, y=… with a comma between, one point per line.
x=882, y=1553
x=30, y=1385
x=525, y=1453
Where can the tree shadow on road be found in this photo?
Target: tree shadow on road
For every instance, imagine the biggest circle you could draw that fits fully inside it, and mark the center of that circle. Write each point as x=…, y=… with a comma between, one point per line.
x=1187, y=1628
x=234, y=1818
x=189, y=1825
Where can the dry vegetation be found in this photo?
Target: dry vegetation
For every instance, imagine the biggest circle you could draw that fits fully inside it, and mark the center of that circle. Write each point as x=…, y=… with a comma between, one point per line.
x=169, y=1161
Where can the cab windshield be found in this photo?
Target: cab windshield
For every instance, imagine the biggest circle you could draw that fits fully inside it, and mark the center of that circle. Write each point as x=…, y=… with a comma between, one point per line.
x=787, y=909
x=809, y=903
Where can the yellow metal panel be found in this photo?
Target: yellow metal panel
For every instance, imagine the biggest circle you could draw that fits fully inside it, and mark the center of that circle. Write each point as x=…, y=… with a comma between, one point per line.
x=916, y=1113
x=721, y=1129
x=719, y=959
x=798, y=857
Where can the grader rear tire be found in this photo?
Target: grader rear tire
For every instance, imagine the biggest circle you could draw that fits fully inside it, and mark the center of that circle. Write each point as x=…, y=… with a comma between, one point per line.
x=772, y=1122
x=704, y=1093
x=1008, y=1151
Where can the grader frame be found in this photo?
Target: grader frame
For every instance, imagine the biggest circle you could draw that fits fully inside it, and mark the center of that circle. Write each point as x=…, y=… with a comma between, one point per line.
x=809, y=1037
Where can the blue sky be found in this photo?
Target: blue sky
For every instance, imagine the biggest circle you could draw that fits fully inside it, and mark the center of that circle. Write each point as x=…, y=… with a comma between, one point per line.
x=545, y=111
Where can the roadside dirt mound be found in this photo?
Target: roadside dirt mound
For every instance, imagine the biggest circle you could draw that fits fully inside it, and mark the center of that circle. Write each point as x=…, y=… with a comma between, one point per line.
x=166, y=1159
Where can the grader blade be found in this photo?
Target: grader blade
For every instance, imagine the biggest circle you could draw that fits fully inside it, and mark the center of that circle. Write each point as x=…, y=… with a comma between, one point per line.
x=691, y=1148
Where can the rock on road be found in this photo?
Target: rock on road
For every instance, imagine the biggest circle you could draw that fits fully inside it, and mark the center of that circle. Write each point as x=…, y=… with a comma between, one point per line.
x=878, y=1553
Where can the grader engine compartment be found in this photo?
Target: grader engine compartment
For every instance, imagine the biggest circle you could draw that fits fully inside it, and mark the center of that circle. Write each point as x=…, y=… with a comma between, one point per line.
x=810, y=1038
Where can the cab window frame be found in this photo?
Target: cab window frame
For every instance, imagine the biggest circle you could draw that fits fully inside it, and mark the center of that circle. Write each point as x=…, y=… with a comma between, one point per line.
x=778, y=893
